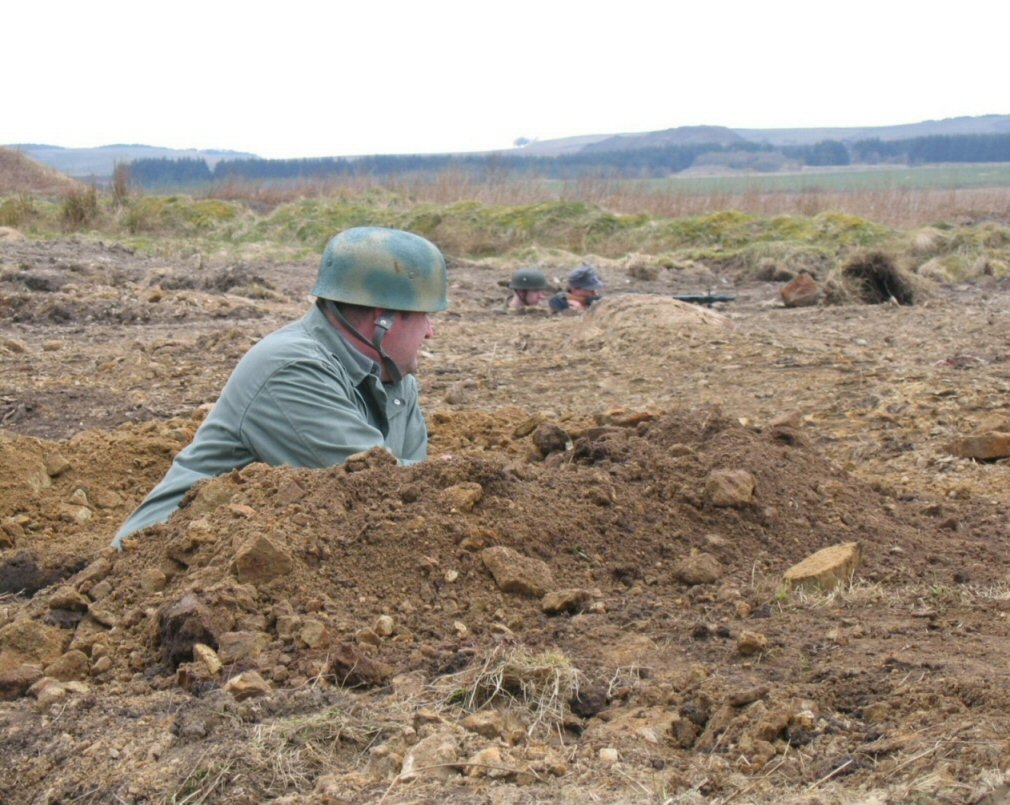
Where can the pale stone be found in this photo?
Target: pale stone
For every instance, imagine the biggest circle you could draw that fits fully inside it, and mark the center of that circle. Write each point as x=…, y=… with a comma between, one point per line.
x=462, y=497
x=698, y=568
x=384, y=625
x=240, y=646
x=827, y=568
x=312, y=634
x=570, y=600
x=247, y=685
x=515, y=573
x=432, y=758
x=729, y=487
x=748, y=643
x=210, y=659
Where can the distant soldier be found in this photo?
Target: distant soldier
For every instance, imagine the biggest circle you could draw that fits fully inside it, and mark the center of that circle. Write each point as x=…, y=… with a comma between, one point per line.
x=529, y=288
x=338, y=381
x=584, y=285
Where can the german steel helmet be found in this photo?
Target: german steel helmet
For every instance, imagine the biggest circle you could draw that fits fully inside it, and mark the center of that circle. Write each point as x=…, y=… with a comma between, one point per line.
x=585, y=276
x=383, y=268
x=528, y=279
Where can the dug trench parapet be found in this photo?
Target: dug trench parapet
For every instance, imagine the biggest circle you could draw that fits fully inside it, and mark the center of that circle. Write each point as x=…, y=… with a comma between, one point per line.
x=827, y=568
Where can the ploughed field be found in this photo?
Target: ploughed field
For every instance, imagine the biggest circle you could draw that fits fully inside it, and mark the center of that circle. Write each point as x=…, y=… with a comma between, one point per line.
x=579, y=597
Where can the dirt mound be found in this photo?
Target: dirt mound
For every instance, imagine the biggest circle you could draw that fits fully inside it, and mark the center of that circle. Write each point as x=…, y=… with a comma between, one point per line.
x=21, y=174
x=639, y=322
x=272, y=579
x=61, y=502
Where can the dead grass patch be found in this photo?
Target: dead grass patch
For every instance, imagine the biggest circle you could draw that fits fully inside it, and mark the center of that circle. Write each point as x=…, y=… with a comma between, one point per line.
x=542, y=684
x=873, y=278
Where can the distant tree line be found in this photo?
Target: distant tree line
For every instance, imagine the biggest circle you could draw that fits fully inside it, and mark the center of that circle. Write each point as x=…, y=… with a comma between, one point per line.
x=631, y=163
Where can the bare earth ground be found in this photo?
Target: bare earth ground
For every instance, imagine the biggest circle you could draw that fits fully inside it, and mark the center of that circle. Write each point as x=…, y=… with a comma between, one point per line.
x=394, y=667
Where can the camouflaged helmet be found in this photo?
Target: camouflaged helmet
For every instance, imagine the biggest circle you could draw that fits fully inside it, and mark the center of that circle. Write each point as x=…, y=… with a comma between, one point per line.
x=383, y=268
x=528, y=279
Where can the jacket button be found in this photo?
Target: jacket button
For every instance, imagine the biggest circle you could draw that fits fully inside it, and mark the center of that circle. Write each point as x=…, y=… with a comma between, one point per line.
x=397, y=401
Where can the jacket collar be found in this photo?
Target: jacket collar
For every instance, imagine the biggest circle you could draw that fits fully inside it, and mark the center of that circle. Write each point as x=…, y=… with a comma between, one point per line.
x=358, y=365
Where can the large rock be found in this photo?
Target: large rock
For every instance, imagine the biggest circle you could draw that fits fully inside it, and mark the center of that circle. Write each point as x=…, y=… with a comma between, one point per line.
x=183, y=624
x=801, y=292
x=982, y=446
x=14, y=682
x=515, y=573
x=28, y=641
x=827, y=568
x=259, y=560
x=729, y=487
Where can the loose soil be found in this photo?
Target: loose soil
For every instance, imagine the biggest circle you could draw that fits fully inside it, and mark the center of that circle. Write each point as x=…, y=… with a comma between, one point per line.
x=347, y=635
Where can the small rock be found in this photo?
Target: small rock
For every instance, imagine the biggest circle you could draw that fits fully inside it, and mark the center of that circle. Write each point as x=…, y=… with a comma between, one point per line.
x=312, y=633
x=56, y=464
x=487, y=723
x=259, y=560
x=746, y=696
x=549, y=438
x=15, y=682
x=242, y=646
x=462, y=497
x=287, y=626
x=152, y=580
x=698, y=568
x=515, y=573
x=68, y=597
x=72, y=665
x=571, y=601
x=729, y=488
x=351, y=668
x=28, y=641
x=483, y=763
x=248, y=685
x=827, y=568
x=748, y=643
x=384, y=625
x=451, y=576
x=101, y=665
x=609, y=756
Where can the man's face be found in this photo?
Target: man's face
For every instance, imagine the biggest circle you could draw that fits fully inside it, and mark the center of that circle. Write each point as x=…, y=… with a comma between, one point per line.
x=404, y=340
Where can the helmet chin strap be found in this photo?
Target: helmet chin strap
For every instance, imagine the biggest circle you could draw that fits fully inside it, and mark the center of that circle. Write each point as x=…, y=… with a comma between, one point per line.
x=383, y=324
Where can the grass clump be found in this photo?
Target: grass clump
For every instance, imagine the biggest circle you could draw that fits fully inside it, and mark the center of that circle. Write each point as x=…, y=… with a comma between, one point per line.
x=180, y=215
x=80, y=208
x=541, y=684
x=18, y=211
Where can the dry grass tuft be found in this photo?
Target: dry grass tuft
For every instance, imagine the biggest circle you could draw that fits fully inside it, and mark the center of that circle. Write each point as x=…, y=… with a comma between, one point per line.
x=873, y=278
x=542, y=684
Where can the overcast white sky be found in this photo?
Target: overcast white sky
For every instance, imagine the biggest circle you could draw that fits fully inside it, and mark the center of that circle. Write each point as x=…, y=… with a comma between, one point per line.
x=299, y=79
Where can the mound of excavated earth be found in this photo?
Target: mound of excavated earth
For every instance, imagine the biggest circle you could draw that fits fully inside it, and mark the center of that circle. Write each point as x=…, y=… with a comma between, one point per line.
x=627, y=548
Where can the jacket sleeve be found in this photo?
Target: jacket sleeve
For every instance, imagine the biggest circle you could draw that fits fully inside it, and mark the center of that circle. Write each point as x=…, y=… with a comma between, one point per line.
x=305, y=416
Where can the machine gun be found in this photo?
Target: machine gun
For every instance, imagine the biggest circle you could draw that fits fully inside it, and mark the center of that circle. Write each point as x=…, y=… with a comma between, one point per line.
x=707, y=299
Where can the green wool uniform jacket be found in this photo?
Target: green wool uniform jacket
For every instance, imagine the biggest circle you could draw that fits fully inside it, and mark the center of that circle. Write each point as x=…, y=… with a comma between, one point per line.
x=301, y=397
